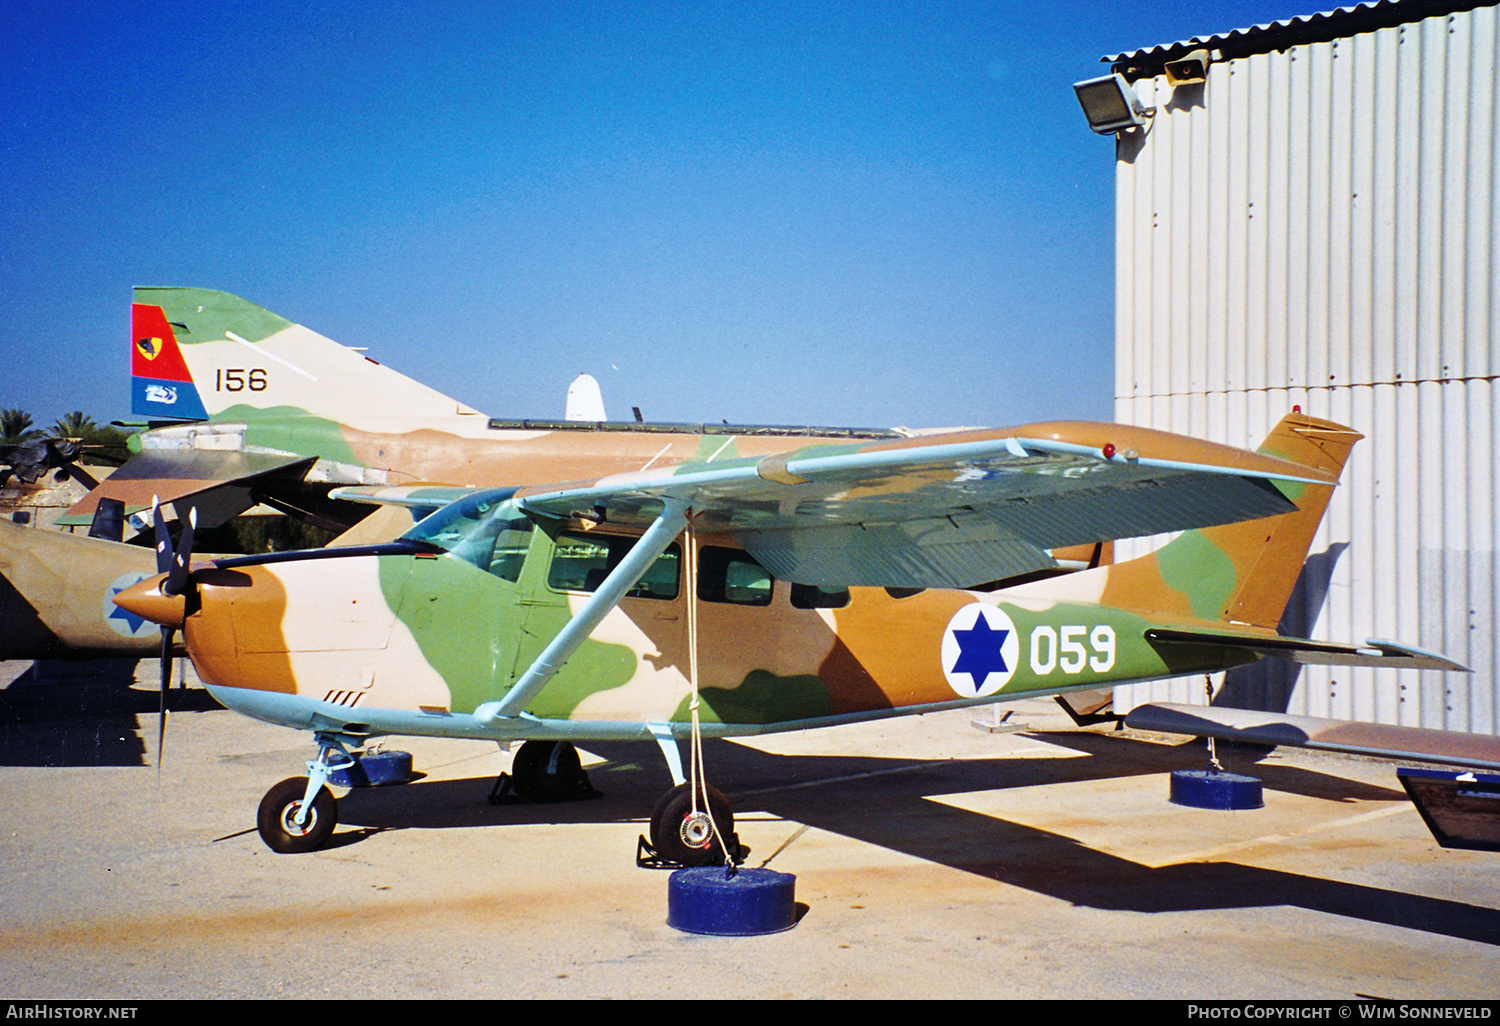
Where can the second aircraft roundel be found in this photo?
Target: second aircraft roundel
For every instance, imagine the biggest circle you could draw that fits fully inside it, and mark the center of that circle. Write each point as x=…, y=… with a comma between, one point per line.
x=980, y=650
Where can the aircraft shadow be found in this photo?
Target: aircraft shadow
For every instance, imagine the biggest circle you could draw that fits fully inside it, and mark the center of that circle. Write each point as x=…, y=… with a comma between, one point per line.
x=888, y=802
x=83, y=714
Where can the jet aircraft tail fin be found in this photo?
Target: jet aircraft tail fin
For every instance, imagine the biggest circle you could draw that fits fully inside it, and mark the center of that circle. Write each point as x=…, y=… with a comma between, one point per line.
x=198, y=354
x=1241, y=573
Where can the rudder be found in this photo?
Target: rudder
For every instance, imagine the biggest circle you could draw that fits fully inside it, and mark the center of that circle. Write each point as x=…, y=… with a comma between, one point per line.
x=1242, y=573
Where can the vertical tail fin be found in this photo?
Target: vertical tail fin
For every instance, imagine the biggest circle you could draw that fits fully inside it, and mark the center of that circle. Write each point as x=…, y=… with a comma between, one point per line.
x=197, y=354
x=1242, y=573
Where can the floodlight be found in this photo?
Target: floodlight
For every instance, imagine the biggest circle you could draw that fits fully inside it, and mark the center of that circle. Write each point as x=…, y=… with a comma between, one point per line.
x=1111, y=105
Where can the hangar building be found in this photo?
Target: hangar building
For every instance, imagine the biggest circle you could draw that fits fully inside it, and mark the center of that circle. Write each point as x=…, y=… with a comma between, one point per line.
x=1308, y=217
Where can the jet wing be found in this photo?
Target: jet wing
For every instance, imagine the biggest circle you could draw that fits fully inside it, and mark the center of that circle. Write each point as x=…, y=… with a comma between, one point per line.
x=219, y=479
x=955, y=510
x=1477, y=751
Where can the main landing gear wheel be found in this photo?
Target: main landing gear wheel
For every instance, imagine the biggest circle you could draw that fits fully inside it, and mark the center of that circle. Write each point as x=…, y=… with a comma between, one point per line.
x=680, y=836
x=549, y=771
x=277, y=818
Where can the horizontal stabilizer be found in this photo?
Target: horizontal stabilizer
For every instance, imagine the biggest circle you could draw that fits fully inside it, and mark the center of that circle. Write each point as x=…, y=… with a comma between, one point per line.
x=1478, y=751
x=1301, y=650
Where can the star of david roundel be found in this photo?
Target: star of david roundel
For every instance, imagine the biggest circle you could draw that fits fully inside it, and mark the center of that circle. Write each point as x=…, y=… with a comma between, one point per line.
x=122, y=622
x=980, y=650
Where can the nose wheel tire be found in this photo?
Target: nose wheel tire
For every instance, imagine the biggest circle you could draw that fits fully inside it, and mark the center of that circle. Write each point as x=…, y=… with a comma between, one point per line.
x=277, y=818
x=679, y=835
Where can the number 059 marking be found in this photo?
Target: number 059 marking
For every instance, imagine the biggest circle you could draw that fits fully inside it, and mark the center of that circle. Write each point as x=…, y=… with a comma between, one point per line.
x=1064, y=647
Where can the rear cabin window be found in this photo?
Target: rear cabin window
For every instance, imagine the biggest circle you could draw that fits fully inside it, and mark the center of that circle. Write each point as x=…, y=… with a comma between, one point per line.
x=732, y=575
x=815, y=596
x=580, y=562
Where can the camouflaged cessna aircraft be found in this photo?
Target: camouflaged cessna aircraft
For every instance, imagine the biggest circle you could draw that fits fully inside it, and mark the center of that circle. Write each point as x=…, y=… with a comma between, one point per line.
x=741, y=594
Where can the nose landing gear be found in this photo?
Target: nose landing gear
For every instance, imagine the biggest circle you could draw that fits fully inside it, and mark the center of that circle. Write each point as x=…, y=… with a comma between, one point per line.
x=282, y=808
x=298, y=815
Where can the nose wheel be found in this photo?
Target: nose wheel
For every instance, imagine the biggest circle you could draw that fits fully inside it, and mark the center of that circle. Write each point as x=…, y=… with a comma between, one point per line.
x=283, y=824
x=298, y=815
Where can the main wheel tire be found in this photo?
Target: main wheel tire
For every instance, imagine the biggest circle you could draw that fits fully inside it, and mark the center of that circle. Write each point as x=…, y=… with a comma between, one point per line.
x=671, y=820
x=276, y=818
x=547, y=771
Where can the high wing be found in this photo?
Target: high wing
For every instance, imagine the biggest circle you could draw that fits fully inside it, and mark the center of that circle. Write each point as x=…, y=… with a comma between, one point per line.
x=957, y=510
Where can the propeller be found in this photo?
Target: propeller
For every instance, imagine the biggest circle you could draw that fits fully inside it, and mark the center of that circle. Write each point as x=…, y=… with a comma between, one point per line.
x=173, y=563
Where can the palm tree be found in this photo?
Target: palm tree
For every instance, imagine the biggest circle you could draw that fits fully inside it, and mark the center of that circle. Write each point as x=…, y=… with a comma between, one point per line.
x=15, y=427
x=75, y=425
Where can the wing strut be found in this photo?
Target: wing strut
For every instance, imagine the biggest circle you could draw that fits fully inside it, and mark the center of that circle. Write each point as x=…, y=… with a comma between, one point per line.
x=667, y=526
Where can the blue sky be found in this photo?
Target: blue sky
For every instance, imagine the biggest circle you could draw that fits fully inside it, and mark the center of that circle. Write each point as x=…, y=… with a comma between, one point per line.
x=831, y=213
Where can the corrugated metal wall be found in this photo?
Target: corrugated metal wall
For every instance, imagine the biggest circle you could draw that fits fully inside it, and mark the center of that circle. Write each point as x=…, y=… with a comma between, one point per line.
x=1317, y=227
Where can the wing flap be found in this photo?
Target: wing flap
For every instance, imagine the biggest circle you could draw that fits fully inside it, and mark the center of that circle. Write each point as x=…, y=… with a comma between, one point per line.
x=919, y=554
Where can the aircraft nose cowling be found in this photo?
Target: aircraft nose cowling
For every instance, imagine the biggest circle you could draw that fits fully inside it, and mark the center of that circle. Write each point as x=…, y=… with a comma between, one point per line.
x=146, y=600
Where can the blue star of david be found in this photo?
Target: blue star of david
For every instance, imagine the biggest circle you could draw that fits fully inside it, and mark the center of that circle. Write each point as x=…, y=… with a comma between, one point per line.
x=979, y=651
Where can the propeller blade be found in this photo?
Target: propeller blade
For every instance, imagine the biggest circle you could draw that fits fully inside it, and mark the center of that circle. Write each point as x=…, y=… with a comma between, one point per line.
x=167, y=635
x=163, y=539
x=177, y=572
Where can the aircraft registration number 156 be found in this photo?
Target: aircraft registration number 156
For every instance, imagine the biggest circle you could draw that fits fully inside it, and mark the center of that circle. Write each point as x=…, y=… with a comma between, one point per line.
x=240, y=379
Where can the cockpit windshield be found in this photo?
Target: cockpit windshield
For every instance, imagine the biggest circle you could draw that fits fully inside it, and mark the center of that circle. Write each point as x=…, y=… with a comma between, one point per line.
x=485, y=529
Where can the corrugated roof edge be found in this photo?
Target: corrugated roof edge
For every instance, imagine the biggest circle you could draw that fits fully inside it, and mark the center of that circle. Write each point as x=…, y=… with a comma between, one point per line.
x=1297, y=31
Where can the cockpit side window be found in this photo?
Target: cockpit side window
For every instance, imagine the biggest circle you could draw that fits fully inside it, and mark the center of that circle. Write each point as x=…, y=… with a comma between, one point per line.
x=580, y=562
x=483, y=529
x=509, y=552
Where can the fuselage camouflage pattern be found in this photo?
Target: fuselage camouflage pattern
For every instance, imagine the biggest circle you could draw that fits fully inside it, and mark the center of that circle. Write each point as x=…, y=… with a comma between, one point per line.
x=421, y=635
